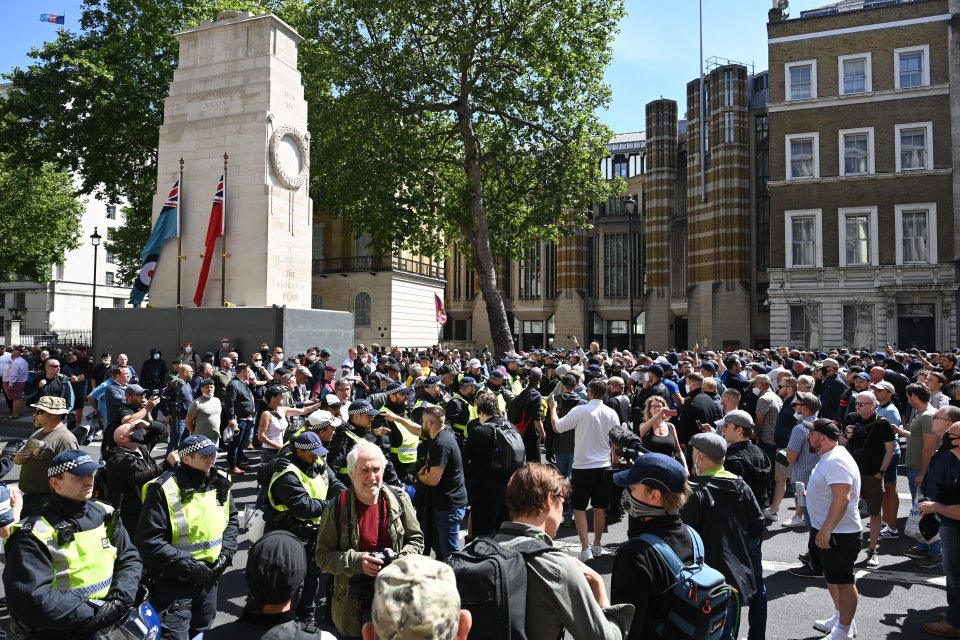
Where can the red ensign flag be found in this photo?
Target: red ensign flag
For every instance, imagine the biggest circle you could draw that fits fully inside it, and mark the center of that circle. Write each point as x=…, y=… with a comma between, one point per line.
x=441, y=312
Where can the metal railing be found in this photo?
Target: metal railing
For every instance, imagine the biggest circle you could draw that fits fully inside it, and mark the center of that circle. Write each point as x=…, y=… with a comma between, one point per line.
x=373, y=264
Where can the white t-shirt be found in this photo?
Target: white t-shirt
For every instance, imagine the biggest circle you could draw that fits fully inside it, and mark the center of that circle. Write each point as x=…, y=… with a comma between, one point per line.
x=835, y=467
x=591, y=423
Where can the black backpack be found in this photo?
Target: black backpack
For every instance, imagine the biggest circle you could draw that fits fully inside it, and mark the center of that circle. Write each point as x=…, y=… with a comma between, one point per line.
x=492, y=581
x=509, y=452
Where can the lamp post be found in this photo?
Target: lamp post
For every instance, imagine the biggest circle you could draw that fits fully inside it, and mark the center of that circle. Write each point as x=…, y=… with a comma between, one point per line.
x=95, y=241
x=630, y=208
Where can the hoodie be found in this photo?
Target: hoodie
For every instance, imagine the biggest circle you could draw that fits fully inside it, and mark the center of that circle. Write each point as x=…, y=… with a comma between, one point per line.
x=153, y=373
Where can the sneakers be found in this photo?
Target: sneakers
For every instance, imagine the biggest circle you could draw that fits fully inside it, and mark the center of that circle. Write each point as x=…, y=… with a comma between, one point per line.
x=596, y=550
x=806, y=572
x=586, y=555
x=770, y=515
x=916, y=553
x=930, y=562
x=873, y=560
x=839, y=634
x=804, y=557
x=795, y=521
x=826, y=626
x=887, y=532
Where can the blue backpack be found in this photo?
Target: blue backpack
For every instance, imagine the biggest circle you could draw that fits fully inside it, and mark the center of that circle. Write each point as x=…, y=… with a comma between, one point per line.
x=700, y=598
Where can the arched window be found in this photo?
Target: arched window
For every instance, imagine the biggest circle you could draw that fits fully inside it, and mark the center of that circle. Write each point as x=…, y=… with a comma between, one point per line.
x=361, y=310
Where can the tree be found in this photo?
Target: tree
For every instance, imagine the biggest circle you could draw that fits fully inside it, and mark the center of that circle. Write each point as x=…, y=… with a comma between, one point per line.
x=39, y=220
x=462, y=119
x=92, y=103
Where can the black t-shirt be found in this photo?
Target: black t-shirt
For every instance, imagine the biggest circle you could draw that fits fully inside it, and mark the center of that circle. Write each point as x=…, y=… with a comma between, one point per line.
x=869, y=438
x=123, y=412
x=450, y=493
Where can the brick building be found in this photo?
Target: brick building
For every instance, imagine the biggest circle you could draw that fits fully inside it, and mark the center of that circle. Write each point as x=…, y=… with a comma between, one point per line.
x=863, y=175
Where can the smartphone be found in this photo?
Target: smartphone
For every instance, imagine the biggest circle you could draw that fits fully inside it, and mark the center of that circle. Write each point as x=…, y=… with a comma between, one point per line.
x=670, y=413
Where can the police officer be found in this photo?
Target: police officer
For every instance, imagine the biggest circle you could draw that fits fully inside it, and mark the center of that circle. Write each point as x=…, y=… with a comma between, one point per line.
x=297, y=496
x=187, y=535
x=360, y=427
x=76, y=553
x=429, y=391
x=460, y=410
x=403, y=440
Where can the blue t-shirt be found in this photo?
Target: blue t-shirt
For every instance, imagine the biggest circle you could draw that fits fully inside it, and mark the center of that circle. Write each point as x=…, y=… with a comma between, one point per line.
x=944, y=472
x=6, y=511
x=672, y=388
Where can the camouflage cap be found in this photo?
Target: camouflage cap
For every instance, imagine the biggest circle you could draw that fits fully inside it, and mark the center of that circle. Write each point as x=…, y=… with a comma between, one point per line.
x=51, y=404
x=416, y=598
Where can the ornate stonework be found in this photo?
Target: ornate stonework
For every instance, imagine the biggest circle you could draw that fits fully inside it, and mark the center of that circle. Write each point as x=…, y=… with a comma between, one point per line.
x=298, y=176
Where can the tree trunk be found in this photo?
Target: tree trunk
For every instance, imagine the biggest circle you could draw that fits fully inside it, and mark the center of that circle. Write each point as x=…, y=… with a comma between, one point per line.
x=479, y=237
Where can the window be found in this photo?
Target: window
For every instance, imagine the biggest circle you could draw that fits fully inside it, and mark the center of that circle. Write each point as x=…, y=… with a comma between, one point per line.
x=762, y=166
x=111, y=212
x=801, y=79
x=803, y=156
x=856, y=152
x=529, y=272
x=729, y=127
x=3, y=301
x=910, y=67
x=914, y=151
x=108, y=277
x=858, y=238
x=854, y=72
x=729, y=84
x=621, y=166
x=318, y=233
x=119, y=303
x=615, y=265
x=858, y=329
x=20, y=300
x=316, y=301
x=804, y=326
x=361, y=251
x=804, y=231
x=550, y=275
x=109, y=257
x=58, y=272
x=361, y=310
x=916, y=233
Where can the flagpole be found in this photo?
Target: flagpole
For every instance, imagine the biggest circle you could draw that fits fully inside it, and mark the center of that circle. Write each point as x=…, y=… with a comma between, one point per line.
x=180, y=256
x=223, y=246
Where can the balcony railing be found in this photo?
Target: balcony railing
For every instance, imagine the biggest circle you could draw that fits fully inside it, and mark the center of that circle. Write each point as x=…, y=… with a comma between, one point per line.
x=373, y=264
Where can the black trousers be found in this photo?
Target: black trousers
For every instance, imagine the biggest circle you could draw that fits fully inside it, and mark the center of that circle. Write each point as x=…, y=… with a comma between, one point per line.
x=185, y=609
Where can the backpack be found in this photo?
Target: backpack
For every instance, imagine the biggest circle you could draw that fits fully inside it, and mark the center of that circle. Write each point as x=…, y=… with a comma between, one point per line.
x=101, y=488
x=492, y=581
x=509, y=452
x=700, y=598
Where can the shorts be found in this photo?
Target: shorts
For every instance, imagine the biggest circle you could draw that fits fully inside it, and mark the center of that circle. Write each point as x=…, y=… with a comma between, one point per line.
x=890, y=477
x=838, y=560
x=871, y=490
x=15, y=390
x=590, y=487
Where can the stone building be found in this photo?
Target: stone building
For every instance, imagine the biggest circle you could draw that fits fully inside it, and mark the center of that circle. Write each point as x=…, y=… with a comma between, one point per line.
x=863, y=171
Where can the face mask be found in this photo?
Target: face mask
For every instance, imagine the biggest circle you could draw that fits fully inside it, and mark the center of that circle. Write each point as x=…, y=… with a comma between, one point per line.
x=633, y=507
x=755, y=391
x=139, y=436
x=156, y=356
x=646, y=377
x=311, y=358
x=187, y=349
x=208, y=394
x=953, y=439
x=106, y=363
x=798, y=417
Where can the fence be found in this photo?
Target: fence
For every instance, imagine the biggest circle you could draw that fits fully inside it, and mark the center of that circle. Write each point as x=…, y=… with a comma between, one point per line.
x=61, y=339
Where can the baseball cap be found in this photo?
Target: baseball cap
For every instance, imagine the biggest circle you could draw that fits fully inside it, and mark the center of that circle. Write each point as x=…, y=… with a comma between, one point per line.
x=738, y=417
x=655, y=470
x=884, y=385
x=830, y=362
x=416, y=598
x=206, y=382
x=309, y=441
x=197, y=444
x=762, y=377
x=322, y=418
x=656, y=370
x=709, y=366
x=304, y=371
x=827, y=427
x=431, y=381
x=474, y=364
x=569, y=380
x=396, y=387
x=137, y=390
x=76, y=462
x=362, y=407
x=467, y=381
x=864, y=376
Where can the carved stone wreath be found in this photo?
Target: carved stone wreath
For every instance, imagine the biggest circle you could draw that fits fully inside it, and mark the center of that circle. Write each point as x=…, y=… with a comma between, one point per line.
x=285, y=177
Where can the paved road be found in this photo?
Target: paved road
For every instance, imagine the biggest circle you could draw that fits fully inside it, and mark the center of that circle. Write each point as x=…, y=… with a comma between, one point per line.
x=896, y=599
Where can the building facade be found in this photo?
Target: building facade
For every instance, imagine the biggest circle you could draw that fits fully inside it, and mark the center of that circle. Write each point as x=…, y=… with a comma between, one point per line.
x=863, y=176
x=674, y=256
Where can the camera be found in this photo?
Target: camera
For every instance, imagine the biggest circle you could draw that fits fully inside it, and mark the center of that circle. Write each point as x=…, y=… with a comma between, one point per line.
x=387, y=556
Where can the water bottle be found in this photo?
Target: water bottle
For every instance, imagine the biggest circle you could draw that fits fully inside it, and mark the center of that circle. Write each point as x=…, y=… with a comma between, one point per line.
x=800, y=494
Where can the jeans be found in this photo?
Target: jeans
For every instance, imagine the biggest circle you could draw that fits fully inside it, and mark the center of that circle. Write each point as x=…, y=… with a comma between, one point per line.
x=446, y=531
x=244, y=425
x=933, y=548
x=950, y=537
x=565, y=466
x=177, y=427
x=757, y=614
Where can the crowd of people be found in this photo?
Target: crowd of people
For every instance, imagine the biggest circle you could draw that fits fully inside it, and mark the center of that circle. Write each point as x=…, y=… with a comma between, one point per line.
x=368, y=465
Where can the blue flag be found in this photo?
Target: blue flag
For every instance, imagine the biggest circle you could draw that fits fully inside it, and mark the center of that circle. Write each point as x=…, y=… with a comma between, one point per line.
x=166, y=227
x=52, y=18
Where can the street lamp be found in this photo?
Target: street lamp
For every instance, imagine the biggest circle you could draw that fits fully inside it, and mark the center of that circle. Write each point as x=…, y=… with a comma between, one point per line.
x=630, y=208
x=95, y=241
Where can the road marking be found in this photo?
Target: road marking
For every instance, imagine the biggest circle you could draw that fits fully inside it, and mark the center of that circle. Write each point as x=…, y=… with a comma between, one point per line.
x=909, y=577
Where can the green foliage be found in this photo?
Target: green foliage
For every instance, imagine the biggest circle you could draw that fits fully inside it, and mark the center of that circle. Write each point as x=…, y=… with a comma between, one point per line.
x=388, y=142
x=39, y=220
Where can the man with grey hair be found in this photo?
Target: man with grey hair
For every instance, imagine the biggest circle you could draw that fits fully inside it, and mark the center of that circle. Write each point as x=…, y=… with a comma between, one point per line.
x=365, y=521
x=869, y=439
x=416, y=598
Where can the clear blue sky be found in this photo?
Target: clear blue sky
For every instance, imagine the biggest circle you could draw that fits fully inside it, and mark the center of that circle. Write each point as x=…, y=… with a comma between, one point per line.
x=655, y=55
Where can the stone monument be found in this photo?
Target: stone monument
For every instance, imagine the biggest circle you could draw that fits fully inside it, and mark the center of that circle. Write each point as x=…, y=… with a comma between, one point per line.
x=237, y=91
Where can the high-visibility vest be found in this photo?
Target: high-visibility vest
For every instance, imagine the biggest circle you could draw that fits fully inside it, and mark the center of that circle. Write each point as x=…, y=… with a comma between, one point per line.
x=516, y=384
x=316, y=487
x=357, y=439
x=197, y=524
x=406, y=453
x=84, y=566
x=462, y=428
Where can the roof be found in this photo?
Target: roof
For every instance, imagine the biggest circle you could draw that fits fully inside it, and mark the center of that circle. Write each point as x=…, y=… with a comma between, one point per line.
x=633, y=141
x=850, y=5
